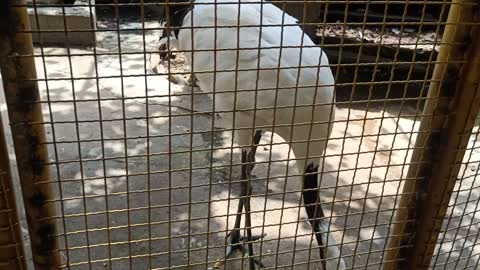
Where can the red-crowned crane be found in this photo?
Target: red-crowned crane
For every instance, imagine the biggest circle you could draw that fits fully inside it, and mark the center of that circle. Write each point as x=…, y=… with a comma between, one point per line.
x=263, y=73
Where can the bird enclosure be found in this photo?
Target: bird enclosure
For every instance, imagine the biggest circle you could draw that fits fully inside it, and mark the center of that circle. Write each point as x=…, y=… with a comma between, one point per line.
x=205, y=134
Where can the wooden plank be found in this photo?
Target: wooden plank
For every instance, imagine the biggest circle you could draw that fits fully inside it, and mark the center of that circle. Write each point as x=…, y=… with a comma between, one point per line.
x=25, y=112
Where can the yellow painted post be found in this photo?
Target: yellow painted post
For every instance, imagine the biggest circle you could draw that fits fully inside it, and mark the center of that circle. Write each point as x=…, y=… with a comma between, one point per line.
x=447, y=120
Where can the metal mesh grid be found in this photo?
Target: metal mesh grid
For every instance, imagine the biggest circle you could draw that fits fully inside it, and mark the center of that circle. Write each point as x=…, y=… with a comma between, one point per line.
x=457, y=245
x=11, y=248
x=144, y=178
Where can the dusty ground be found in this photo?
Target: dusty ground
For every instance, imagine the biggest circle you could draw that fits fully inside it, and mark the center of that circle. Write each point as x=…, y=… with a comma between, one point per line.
x=132, y=205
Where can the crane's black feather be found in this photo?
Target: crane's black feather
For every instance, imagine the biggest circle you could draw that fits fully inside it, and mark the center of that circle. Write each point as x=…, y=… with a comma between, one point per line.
x=312, y=205
x=174, y=15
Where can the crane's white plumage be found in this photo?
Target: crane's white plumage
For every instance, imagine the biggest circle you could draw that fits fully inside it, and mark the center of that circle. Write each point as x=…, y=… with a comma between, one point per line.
x=247, y=84
x=240, y=83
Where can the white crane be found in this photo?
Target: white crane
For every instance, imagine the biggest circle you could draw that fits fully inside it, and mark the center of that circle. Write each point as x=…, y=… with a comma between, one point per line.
x=263, y=73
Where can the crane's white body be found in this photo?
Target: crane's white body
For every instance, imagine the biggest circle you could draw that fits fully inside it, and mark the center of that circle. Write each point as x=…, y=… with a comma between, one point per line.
x=244, y=91
x=247, y=86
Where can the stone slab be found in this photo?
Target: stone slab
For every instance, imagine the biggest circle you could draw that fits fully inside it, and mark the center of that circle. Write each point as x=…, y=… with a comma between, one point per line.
x=54, y=25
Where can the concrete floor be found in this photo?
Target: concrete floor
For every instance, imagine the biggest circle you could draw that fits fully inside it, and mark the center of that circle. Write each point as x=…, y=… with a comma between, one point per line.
x=168, y=210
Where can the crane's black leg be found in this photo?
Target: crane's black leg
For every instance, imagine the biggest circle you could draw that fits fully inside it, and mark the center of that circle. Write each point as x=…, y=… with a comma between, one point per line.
x=311, y=200
x=247, y=160
x=235, y=240
x=234, y=235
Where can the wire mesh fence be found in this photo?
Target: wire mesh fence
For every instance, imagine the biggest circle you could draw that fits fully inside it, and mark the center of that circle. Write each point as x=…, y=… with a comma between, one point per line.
x=135, y=160
x=457, y=246
x=11, y=248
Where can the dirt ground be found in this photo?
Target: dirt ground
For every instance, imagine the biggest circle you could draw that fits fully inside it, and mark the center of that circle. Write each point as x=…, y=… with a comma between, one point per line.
x=129, y=204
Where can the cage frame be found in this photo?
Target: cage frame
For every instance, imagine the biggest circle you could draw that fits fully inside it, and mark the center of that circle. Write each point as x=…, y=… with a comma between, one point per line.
x=439, y=131
x=31, y=154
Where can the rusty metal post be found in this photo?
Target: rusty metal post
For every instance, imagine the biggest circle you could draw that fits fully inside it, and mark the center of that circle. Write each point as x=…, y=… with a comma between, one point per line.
x=448, y=118
x=21, y=91
x=12, y=256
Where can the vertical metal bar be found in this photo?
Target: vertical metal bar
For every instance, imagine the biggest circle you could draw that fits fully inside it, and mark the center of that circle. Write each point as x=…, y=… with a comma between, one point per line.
x=448, y=118
x=21, y=91
x=12, y=256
